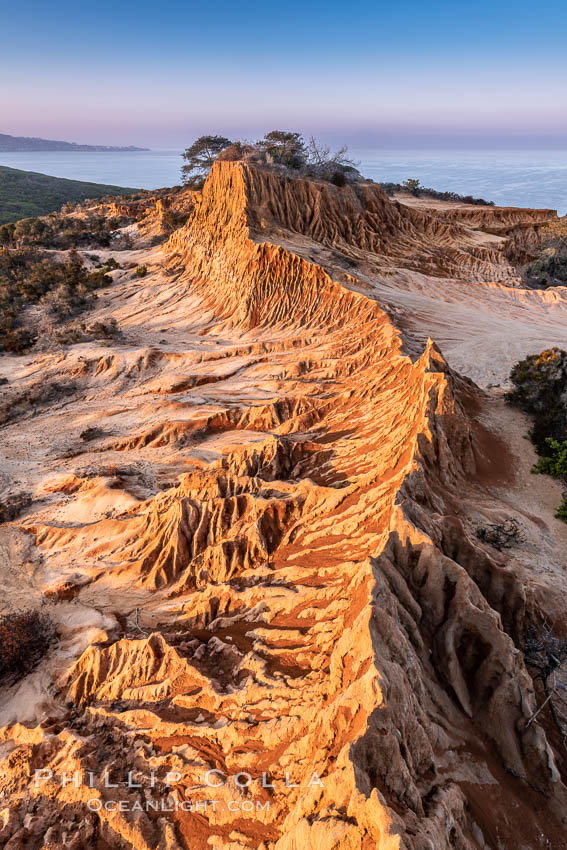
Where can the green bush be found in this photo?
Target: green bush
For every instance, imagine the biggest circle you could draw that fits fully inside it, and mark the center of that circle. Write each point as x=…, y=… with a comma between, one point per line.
x=412, y=186
x=548, y=267
x=539, y=385
x=561, y=512
x=540, y=388
x=553, y=463
x=141, y=271
x=285, y=148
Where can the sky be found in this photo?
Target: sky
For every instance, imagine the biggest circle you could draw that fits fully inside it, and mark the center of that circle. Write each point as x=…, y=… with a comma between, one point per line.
x=370, y=74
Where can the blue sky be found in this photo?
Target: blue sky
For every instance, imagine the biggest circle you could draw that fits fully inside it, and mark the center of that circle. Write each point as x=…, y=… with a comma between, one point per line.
x=413, y=74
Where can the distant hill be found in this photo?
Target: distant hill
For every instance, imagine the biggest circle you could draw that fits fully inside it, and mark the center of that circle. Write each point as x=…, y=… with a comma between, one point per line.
x=16, y=144
x=25, y=194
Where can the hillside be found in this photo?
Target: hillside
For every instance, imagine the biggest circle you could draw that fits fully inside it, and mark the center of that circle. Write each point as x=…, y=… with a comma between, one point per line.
x=250, y=513
x=26, y=143
x=25, y=194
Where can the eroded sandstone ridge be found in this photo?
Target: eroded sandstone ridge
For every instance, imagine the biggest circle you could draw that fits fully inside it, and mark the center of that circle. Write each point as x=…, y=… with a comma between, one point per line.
x=270, y=599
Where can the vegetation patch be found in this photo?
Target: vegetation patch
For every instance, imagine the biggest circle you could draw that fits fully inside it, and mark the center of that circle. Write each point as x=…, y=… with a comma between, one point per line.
x=281, y=149
x=73, y=332
x=555, y=462
x=29, y=277
x=561, y=512
x=540, y=388
x=546, y=655
x=63, y=231
x=25, y=638
x=27, y=193
x=414, y=187
x=539, y=384
x=550, y=266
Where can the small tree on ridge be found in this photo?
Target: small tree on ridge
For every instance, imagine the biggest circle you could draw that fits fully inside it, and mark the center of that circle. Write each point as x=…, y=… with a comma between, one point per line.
x=199, y=158
x=284, y=148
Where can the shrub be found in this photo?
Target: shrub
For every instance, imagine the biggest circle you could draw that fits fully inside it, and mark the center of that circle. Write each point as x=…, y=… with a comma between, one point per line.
x=413, y=186
x=501, y=535
x=64, y=300
x=28, y=276
x=540, y=388
x=539, y=383
x=110, y=265
x=547, y=268
x=91, y=433
x=73, y=332
x=17, y=340
x=554, y=463
x=561, y=512
x=25, y=638
x=546, y=654
x=171, y=219
x=550, y=266
x=7, y=233
x=284, y=148
x=63, y=232
x=141, y=271
x=338, y=178
x=103, y=330
x=423, y=191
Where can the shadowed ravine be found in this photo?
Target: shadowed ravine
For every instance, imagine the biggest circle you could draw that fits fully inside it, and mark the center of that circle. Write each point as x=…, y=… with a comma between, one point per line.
x=265, y=561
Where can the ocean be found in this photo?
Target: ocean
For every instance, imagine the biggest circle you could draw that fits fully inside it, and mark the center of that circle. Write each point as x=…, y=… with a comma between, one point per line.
x=535, y=179
x=509, y=178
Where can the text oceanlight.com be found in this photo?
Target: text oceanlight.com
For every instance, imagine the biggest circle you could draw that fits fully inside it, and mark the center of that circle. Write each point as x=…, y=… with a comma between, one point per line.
x=201, y=806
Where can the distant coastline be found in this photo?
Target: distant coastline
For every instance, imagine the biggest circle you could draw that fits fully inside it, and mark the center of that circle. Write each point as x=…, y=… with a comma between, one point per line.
x=21, y=144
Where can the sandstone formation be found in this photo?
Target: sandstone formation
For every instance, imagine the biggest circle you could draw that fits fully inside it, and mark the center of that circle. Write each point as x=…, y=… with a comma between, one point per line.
x=277, y=627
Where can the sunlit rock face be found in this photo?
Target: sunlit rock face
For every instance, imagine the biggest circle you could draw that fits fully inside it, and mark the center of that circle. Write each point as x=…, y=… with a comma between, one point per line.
x=276, y=625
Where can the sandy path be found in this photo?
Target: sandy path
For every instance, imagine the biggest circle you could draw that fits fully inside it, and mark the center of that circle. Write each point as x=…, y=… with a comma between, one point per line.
x=531, y=498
